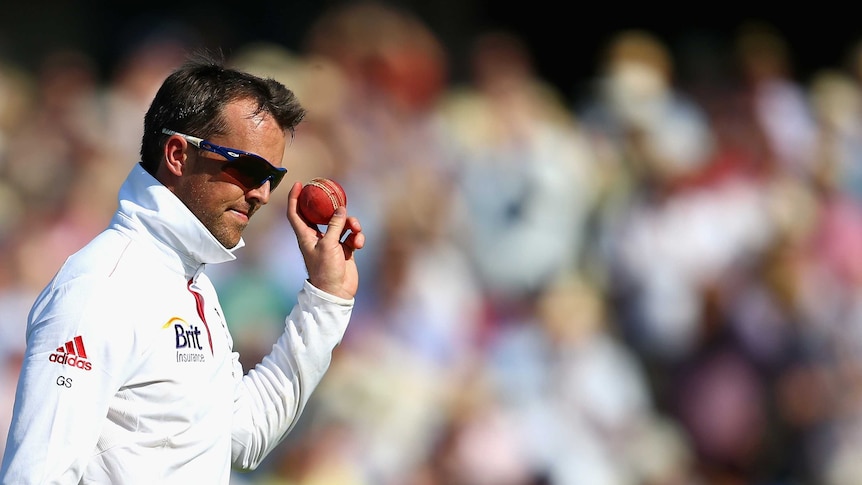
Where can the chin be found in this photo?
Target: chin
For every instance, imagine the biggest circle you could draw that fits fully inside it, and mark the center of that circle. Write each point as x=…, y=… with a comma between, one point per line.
x=232, y=242
x=229, y=241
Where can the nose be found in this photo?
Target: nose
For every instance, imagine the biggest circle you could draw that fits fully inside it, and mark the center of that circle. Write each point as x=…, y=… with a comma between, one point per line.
x=260, y=193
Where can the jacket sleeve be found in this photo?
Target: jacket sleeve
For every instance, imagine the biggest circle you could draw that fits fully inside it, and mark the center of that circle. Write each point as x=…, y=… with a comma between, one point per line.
x=271, y=397
x=66, y=382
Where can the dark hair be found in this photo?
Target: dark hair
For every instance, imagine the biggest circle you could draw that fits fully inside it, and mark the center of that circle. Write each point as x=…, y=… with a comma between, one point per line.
x=192, y=98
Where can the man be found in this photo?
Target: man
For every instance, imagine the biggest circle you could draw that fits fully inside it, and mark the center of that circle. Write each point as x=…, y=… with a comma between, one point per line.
x=129, y=374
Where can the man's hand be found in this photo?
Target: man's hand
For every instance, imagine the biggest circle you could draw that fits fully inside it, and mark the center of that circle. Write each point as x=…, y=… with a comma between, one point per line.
x=328, y=255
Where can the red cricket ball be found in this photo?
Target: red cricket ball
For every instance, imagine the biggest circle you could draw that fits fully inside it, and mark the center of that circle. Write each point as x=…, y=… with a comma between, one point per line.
x=319, y=198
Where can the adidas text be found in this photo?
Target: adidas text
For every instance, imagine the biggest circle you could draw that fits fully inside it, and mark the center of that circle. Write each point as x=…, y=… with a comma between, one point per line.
x=71, y=360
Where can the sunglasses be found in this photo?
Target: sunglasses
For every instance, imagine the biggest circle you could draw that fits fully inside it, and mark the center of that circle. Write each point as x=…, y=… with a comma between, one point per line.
x=249, y=169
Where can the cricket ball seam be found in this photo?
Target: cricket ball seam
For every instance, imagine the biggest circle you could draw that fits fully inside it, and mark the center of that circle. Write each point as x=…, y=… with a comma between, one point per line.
x=333, y=196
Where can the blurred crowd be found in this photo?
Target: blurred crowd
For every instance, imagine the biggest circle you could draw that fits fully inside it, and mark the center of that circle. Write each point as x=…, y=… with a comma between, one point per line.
x=658, y=283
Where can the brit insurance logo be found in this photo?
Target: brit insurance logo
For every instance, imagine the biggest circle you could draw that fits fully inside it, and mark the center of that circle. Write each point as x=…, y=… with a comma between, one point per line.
x=73, y=354
x=187, y=340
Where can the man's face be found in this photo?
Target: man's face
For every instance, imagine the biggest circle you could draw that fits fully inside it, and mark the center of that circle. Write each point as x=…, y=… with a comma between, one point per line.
x=221, y=203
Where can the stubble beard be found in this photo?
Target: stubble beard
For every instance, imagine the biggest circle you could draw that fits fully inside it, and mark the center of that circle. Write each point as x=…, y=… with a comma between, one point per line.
x=216, y=220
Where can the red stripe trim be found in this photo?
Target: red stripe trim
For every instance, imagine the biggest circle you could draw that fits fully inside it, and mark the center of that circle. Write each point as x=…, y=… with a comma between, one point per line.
x=199, y=301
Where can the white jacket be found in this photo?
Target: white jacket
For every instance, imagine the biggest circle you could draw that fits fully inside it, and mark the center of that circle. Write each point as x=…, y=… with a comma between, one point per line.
x=130, y=376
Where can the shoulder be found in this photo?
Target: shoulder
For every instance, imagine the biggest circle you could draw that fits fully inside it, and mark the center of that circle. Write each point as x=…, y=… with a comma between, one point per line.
x=111, y=275
x=112, y=293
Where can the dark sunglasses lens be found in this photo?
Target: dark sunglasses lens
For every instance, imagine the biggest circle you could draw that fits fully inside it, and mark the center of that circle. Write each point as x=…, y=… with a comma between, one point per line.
x=252, y=172
x=276, y=178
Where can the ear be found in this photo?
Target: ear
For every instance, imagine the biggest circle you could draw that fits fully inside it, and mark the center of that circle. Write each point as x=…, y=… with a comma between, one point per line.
x=175, y=155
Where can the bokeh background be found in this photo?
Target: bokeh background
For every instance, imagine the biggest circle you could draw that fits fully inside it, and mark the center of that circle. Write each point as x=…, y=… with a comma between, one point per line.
x=607, y=245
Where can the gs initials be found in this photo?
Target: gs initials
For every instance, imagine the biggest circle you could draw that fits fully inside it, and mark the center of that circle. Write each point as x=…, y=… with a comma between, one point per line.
x=64, y=381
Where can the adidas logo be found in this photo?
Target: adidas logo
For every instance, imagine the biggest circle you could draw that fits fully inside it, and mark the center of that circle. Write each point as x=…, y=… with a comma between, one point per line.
x=72, y=353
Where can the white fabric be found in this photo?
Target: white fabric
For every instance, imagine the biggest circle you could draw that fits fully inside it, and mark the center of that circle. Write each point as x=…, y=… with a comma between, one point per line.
x=160, y=396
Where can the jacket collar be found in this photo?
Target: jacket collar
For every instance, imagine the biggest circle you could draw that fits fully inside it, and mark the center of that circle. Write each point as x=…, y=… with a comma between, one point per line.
x=148, y=207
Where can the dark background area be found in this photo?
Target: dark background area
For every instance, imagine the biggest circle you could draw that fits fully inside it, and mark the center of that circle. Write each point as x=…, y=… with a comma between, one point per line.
x=565, y=38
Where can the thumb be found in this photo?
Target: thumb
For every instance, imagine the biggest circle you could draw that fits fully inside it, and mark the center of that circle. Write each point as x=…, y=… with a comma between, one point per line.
x=336, y=224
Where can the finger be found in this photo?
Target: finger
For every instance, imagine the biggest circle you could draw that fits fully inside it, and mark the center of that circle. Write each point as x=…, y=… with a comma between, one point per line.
x=293, y=202
x=337, y=224
x=354, y=241
x=306, y=233
x=352, y=225
x=352, y=234
x=359, y=240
